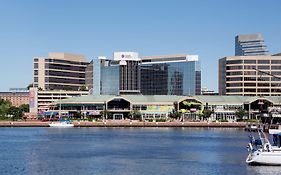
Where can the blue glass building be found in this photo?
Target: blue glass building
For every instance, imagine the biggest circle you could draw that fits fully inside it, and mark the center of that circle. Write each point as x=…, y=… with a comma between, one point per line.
x=159, y=75
x=170, y=75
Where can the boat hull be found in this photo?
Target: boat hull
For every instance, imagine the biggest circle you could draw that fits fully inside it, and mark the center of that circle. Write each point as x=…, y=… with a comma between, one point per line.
x=61, y=125
x=264, y=158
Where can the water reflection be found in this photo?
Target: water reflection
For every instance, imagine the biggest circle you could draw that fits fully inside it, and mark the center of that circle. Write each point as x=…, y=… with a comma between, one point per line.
x=126, y=151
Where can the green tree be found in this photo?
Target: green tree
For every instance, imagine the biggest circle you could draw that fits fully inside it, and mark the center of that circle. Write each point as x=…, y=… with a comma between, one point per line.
x=24, y=107
x=207, y=113
x=240, y=113
x=175, y=114
x=15, y=112
x=4, y=108
x=135, y=114
x=105, y=113
x=83, y=88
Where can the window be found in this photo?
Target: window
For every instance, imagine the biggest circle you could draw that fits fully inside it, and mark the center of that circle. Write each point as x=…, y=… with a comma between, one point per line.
x=249, y=61
x=276, y=67
x=234, y=79
x=234, y=73
x=263, y=67
x=263, y=61
x=234, y=67
x=234, y=61
x=249, y=90
x=249, y=72
x=234, y=90
x=275, y=61
x=233, y=84
x=249, y=84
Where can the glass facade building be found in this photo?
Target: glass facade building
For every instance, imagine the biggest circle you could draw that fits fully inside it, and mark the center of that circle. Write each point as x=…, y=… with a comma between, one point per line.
x=160, y=75
x=170, y=75
x=110, y=77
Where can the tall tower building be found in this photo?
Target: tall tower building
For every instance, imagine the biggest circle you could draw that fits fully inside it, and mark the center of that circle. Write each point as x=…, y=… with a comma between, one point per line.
x=62, y=71
x=247, y=45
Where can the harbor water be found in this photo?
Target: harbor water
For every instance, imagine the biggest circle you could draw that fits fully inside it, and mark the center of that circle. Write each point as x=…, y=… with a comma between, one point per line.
x=126, y=151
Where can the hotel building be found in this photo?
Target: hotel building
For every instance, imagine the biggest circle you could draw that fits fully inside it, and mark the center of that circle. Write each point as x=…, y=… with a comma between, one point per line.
x=17, y=96
x=250, y=75
x=62, y=71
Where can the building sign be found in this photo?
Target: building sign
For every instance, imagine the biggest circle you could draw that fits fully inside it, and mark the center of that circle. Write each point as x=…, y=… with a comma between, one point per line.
x=33, y=100
x=192, y=57
x=160, y=109
x=126, y=56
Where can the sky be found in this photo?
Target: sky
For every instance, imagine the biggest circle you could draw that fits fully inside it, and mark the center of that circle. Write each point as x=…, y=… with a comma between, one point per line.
x=33, y=28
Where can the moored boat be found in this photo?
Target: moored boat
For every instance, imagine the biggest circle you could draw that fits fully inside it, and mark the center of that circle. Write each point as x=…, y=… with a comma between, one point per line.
x=62, y=124
x=262, y=151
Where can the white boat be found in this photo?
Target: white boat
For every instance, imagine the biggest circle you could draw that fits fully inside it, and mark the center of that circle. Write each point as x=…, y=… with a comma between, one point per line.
x=61, y=124
x=262, y=152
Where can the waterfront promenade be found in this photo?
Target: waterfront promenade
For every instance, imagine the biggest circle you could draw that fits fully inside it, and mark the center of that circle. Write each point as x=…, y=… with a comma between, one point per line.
x=111, y=123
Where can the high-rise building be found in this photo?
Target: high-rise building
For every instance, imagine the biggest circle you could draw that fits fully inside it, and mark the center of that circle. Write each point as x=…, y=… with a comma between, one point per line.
x=158, y=75
x=246, y=45
x=116, y=76
x=170, y=75
x=250, y=75
x=62, y=71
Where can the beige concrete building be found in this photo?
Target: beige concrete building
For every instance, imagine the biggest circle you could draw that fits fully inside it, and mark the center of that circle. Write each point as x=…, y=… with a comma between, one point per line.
x=62, y=71
x=250, y=75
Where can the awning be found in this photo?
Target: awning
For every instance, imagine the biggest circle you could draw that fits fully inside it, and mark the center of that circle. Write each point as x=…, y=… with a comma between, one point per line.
x=51, y=113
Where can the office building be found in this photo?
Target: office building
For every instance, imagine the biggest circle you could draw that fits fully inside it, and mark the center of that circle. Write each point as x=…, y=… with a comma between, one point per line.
x=62, y=71
x=116, y=76
x=158, y=75
x=247, y=45
x=250, y=75
x=170, y=75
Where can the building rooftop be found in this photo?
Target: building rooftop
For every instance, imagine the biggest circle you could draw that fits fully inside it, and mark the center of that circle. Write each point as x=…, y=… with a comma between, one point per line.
x=250, y=37
x=67, y=56
x=170, y=99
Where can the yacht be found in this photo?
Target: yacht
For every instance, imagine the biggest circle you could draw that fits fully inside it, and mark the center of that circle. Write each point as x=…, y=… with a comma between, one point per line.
x=264, y=152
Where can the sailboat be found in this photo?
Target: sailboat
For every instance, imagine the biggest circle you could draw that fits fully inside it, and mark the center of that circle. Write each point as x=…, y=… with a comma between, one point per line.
x=62, y=123
x=262, y=152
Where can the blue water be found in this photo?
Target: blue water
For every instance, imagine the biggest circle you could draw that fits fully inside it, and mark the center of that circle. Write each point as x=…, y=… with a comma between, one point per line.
x=122, y=151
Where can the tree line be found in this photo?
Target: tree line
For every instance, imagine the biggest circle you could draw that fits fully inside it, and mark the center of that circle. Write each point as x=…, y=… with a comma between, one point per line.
x=10, y=112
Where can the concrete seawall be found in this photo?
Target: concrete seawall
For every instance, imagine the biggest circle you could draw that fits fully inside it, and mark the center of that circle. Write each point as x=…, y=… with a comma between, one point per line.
x=128, y=124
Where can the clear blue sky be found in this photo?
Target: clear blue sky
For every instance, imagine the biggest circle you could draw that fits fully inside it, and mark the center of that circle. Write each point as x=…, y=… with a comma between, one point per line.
x=207, y=28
